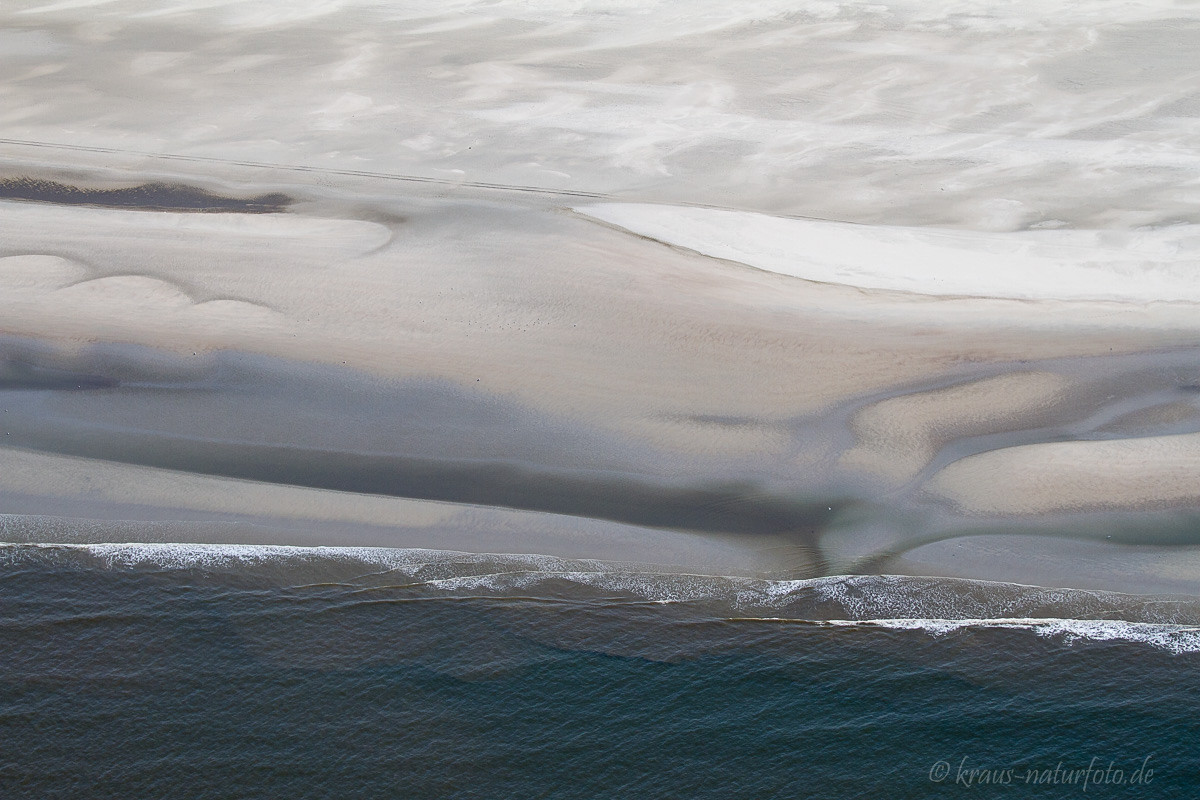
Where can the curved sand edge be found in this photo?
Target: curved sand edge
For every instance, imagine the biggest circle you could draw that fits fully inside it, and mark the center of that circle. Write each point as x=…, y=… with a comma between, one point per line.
x=1137, y=266
x=1152, y=472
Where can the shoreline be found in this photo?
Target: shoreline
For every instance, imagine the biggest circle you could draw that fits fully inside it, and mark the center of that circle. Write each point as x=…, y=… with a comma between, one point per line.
x=823, y=423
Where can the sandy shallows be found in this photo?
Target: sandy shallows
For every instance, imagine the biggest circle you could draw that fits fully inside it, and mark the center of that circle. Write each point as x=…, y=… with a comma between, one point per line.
x=540, y=362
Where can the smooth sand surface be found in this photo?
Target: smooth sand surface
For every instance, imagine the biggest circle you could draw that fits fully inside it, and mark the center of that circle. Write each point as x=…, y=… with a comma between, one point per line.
x=1054, y=561
x=58, y=498
x=1152, y=472
x=896, y=438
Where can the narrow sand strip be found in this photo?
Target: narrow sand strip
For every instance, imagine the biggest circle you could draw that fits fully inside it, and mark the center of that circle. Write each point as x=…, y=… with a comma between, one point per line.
x=148, y=504
x=1154, y=472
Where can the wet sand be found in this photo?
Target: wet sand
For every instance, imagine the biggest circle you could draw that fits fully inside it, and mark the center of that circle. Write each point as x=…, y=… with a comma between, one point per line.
x=586, y=366
x=339, y=381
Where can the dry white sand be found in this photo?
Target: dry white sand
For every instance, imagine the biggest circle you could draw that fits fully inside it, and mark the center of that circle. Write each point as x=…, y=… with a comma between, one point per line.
x=1145, y=265
x=975, y=114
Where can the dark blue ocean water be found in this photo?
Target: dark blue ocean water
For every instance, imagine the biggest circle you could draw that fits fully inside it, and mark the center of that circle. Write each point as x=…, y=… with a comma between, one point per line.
x=147, y=677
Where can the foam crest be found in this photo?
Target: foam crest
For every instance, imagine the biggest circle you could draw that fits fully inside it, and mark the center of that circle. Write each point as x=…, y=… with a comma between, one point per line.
x=938, y=606
x=1175, y=638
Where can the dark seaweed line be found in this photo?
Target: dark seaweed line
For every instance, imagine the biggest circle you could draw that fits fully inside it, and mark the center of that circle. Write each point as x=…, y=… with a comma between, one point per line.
x=146, y=196
x=317, y=170
x=390, y=176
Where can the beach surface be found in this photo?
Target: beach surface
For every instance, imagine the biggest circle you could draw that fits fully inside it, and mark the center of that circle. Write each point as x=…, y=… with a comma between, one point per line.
x=792, y=290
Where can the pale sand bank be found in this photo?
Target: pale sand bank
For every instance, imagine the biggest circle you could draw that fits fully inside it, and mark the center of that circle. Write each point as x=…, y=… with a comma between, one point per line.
x=578, y=351
x=1152, y=472
x=896, y=438
x=1056, y=561
x=1137, y=266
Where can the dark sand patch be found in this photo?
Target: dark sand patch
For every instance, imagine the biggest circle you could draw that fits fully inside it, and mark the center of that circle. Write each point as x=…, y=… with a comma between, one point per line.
x=146, y=196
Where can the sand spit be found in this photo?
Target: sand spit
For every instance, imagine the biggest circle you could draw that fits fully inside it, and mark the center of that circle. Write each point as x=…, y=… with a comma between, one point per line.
x=1024, y=265
x=1151, y=472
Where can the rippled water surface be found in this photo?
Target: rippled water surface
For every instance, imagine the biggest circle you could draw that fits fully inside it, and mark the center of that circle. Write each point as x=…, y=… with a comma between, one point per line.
x=135, y=671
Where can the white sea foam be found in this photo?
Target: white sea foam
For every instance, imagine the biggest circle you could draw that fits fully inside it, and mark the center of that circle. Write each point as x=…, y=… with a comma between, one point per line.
x=1176, y=638
x=200, y=556
x=937, y=606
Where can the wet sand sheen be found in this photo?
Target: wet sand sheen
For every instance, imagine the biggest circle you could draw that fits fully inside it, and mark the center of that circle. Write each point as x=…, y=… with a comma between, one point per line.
x=929, y=291
x=852, y=415
x=151, y=196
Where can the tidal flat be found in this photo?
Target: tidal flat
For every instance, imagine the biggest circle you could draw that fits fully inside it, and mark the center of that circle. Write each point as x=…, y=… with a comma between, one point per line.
x=599, y=399
x=506, y=358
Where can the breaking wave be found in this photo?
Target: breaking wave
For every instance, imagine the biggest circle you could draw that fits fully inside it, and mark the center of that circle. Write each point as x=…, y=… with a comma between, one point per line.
x=937, y=606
